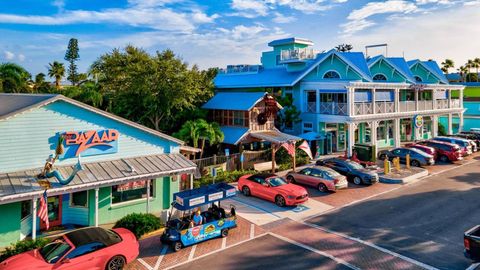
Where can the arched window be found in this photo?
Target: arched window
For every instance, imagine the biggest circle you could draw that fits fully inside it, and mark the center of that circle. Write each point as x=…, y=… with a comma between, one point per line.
x=418, y=79
x=379, y=77
x=331, y=75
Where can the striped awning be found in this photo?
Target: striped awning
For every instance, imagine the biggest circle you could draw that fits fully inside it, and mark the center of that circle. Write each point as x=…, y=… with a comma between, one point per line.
x=274, y=136
x=23, y=185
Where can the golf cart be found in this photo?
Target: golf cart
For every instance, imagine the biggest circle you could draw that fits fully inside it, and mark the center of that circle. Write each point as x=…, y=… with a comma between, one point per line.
x=180, y=229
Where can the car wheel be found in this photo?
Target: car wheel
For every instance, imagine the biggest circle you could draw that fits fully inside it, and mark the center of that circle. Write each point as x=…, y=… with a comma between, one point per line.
x=280, y=201
x=291, y=179
x=176, y=246
x=322, y=187
x=415, y=163
x=116, y=263
x=224, y=233
x=246, y=191
x=444, y=158
x=357, y=180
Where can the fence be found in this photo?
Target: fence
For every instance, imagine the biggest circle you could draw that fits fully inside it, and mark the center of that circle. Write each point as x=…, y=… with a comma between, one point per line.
x=232, y=162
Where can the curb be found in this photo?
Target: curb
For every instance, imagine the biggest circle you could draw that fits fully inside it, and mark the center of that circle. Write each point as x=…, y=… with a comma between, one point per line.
x=384, y=179
x=152, y=234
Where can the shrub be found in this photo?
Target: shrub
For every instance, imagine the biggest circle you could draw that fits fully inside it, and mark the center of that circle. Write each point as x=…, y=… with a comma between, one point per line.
x=139, y=223
x=22, y=246
x=227, y=177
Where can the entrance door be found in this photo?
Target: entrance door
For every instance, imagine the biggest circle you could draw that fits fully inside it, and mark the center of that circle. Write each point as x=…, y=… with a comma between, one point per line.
x=341, y=141
x=329, y=142
x=54, y=212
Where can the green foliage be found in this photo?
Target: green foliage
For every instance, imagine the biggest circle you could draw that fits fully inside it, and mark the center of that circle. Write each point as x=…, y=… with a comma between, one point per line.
x=72, y=55
x=442, y=131
x=139, y=223
x=344, y=47
x=284, y=160
x=289, y=115
x=200, y=130
x=472, y=77
x=14, y=79
x=227, y=177
x=56, y=70
x=22, y=246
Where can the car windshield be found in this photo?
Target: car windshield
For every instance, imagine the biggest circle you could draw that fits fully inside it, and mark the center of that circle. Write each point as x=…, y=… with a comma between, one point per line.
x=276, y=181
x=52, y=252
x=355, y=165
x=331, y=173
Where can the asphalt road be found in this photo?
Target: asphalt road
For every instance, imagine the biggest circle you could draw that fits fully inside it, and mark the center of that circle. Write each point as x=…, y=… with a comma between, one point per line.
x=265, y=252
x=424, y=221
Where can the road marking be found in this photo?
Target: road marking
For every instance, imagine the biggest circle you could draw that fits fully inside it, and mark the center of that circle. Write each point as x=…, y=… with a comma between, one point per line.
x=145, y=264
x=337, y=260
x=473, y=266
x=256, y=207
x=192, y=252
x=224, y=242
x=426, y=266
x=215, y=251
x=160, y=258
x=252, y=231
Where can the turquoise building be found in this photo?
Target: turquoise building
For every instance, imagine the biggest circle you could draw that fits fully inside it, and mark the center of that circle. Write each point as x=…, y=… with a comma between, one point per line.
x=346, y=98
x=126, y=167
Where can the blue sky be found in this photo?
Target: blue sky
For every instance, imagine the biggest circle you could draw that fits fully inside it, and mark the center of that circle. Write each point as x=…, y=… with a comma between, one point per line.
x=213, y=33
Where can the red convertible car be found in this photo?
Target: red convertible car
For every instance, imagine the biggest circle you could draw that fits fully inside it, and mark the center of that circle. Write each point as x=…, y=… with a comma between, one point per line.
x=272, y=188
x=87, y=248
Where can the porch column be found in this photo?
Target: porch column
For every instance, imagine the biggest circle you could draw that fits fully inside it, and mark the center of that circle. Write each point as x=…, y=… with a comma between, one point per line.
x=460, y=96
x=96, y=207
x=416, y=99
x=350, y=100
x=191, y=181
x=450, y=124
x=397, y=99
x=434, y=98
x=449, y=92
x=435, y=125
x=396, y=134
x=317, y=99
x=374, y=108
x=34, y=218
x=351, y=138
x=148, y=195
x=273, y=157
x=460, y=123
x=373, y=132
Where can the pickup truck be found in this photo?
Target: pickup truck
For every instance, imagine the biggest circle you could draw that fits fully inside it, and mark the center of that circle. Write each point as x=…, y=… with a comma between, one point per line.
x=471, y=241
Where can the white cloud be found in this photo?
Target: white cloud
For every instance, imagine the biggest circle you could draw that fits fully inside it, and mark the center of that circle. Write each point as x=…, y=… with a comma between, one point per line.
x=255, y=8
x=21, y=57
x=442, y=2
x=282, y=18
x=8, y=55
x=60, y=4
x=306, y=6
x=258, y=7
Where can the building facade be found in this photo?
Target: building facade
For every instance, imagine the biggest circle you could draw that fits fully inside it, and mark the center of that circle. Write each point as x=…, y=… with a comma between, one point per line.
x=345, y=98
x=126, y=167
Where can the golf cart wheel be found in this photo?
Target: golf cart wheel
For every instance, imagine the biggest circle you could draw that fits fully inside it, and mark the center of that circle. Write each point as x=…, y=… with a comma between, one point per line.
x=116, y=263
x=280, y=201
x=415, y=163
x=322, y=187
x=224, y=233
x=357, y=180
x=291, y=179
x=176, y=246
x=246, y=191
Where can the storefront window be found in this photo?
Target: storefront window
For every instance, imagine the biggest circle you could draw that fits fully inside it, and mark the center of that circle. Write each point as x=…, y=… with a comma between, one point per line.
x=381, y=131
x=79, y=199
x=26, y=209
x=131, y=191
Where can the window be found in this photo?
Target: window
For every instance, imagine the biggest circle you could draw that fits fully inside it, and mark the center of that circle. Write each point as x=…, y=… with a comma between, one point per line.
x=131, y=191
x=379, y=77
x=26, y=209
x=238, y=119
x=331, y=75
x=311, y=96
x=306, y=171
x=79, y=199
x=418, y=79
x=85, y=249
x=307, y=126
x=381, y=131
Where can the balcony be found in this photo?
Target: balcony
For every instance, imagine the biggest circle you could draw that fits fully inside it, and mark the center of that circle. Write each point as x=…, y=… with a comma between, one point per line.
x=384, y=107
x=240, y=69
x=407, y=106
x=455, y=103
x=442, y=103
x=311, y=107
x=333, y=108
x=424, y=105
x=363, y=108
x=297, y=55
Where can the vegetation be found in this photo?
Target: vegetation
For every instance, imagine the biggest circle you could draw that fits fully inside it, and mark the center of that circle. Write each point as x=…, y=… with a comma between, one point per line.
x=465, y=70
x=227, y=177
x=56, y=70
x=344, y=47
x=22, y=246
x=195, y=131
x=72, y=55
x=139, y=223
x=289, y=116
x=14, y=78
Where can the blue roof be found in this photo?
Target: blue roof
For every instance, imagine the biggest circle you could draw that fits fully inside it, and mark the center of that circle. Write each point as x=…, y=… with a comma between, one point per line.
x=398, y=63
x=239, y=101
x=357, y=59
x=197, y=197
x=436, y=70
x=232, y=135
x=272, y=77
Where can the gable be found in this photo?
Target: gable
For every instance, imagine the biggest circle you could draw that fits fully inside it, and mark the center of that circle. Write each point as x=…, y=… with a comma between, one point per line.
x=391, y=73
x=333, y=63
x=30, y=137
x=427, y=77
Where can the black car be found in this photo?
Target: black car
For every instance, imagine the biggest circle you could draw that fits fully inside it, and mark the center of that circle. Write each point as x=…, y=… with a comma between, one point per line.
x=471, y=241
x=417, y=157
x=352, y=170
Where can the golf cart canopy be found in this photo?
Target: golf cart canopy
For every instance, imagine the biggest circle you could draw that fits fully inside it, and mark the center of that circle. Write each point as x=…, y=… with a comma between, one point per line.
x=193, y=198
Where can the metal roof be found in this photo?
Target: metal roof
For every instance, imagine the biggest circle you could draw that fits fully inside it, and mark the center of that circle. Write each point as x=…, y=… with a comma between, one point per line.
x=291, y=40
x=233, y=135
x=274, y=136
x=23, y=185
x=25, y=102
x=431, y=66
x=398, y=63
x=239, y=101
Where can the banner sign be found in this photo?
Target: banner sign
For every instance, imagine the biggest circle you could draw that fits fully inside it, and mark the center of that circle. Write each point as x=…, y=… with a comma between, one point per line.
x=90, y=142
x=132, y=185
x=215, y=196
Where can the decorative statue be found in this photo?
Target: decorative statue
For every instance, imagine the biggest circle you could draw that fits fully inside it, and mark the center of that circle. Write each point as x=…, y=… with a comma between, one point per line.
x=48, y=170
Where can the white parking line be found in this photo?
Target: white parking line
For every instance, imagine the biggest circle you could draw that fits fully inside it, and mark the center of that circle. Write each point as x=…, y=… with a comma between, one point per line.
x=252, y=230
x=192, y=252
x=145, y=264
x=426, y=266
x=160, y=258
x=339, y=261
x=224, y=242
x=473, y=266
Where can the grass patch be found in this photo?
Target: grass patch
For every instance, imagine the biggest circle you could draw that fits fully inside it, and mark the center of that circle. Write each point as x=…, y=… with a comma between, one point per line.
x=468, y=92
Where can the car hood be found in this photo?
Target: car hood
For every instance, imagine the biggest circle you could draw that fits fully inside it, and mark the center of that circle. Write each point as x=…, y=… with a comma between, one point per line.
x=24, y=261
x=368, y=172
x=292, y=189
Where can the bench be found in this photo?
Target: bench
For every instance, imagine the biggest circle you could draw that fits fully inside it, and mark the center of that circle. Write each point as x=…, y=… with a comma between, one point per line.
x=264, y=166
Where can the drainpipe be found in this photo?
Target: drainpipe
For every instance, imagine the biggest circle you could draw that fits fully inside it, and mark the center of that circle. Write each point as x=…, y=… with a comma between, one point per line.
x=96, y=207
x=34, y=218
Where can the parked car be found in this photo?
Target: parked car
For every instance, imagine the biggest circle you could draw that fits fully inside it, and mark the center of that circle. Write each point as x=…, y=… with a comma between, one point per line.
x=470, y=138
x=445, y=151
x=417, y=157
x=465, y=146
x=427, y=149
x=322, y=178
x=352, y=170
x=87, y=248
x=273, y=188
x=471, y=242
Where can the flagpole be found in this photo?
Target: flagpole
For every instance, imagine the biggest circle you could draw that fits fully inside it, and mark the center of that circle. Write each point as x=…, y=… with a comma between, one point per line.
x=294, y=157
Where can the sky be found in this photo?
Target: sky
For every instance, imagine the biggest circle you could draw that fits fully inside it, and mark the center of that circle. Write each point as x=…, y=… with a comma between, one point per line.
x=214, y=33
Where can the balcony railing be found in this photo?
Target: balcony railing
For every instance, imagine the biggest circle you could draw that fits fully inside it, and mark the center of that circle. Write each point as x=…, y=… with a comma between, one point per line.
x=333, y=108
x=240, y=69
x=384, y=107
x=363, y=108
x=297, y=54
x=407, y=106
x=442, y=103
x=312, y=107
x=424, y=105
x=455, y=103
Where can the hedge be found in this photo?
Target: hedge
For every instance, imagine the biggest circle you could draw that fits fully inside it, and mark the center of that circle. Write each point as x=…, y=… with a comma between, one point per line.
x=139, y=223
x=22, y=246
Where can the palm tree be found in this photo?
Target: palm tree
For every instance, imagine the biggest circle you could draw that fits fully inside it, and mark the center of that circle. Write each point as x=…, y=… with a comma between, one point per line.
x=476, y=61
x=210, y=132
x=13, y=78
x=189, y=132
x=463, y=70
x=344, y=47
x=56, y=70
x=448, y=63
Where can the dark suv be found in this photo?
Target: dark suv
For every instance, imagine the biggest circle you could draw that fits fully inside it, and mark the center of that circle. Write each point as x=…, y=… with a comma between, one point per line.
x=352, y=170
x=445, y=151
x=417, y=157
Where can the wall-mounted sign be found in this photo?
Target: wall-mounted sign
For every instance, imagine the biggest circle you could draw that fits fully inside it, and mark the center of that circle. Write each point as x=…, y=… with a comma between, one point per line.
x=417, y=87
x=90, y=142
x=132, y=185
x=418, y=121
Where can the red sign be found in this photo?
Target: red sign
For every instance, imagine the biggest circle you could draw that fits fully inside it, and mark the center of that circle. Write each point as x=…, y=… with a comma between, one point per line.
x=87, y=139
x=132, y=185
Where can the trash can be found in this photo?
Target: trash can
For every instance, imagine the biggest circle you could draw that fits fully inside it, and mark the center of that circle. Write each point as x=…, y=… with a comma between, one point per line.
x=365, y=152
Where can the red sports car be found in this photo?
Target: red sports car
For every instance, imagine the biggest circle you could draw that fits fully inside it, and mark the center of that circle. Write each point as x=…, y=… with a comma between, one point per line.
x=82, y=249
x=273, y=188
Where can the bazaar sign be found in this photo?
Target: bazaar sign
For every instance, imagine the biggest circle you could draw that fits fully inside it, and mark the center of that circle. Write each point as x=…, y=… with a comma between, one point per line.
x=90, y=142
x=417, y=87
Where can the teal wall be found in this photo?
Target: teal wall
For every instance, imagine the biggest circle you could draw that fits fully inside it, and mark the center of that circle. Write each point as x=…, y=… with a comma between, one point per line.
x=268, y=59
x=387, y=70
x=420, y=71
x=10, y=228
x=336, y=64
x=29, y=138
x=473, y=107
x=74, y=215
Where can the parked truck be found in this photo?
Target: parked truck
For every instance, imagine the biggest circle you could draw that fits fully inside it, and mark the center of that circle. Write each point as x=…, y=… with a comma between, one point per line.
x=471, y=241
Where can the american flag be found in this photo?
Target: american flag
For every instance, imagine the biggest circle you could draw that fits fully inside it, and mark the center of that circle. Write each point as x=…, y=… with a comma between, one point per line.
x=305, y=147
x=290, y=147
x=43, y=211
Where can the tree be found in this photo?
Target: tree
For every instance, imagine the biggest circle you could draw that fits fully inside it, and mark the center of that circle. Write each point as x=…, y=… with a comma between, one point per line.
x=88, y=93
x=198, y=130
x=447, y=64
x=40, y=85
x=476, y=62
x=56, y=70
x=463, y=70
x=289, y=115
x=190, y=133
x=72, y=56
x=13, y=78
x=344, y=47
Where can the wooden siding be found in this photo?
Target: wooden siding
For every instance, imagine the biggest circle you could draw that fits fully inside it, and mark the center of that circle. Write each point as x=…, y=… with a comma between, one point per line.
x=73, y=215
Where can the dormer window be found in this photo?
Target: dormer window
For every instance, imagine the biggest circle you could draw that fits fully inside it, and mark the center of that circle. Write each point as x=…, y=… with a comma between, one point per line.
x=380, y=77
x=331, y=75
x=418, y=79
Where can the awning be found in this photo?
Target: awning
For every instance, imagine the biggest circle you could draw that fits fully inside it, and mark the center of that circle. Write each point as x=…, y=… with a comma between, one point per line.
x=19, y=186
x=311, y=136
x=274, y=136
x=233, y=135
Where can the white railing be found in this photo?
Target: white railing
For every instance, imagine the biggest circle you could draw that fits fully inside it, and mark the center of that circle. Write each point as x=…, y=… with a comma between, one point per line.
x=425, y=105
x=241, y=69
x=384, y=107
x=363, y=108
x=407, y=106
x=297, y=54
x=333, y=108
x=455, y=103
x=312, y=107
x=442, y=103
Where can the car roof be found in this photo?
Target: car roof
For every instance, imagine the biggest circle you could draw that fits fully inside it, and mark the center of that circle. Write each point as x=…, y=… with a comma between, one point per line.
x=89, y=235
x=263, y=175
x=323, y=168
